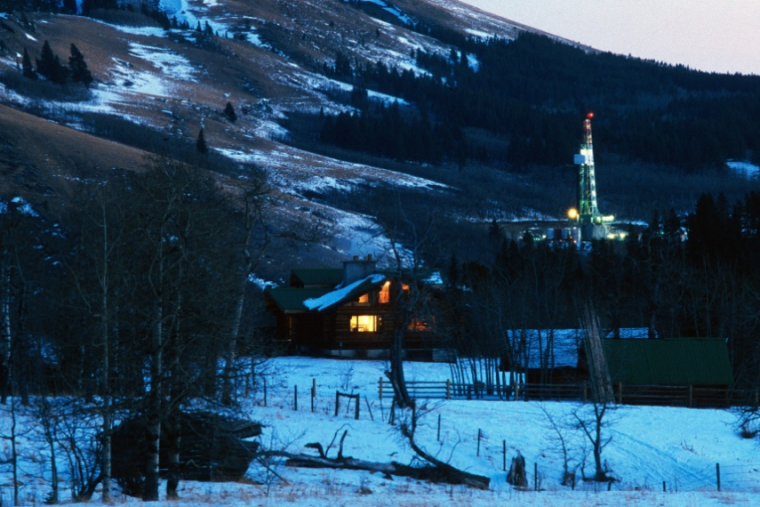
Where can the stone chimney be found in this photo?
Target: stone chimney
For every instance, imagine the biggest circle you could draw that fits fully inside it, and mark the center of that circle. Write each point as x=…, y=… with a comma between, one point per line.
x=358, y=268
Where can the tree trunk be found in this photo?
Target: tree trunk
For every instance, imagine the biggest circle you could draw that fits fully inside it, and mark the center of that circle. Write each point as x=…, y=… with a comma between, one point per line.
x=174, y=438
x=229, y=356
x=14, y=451
x=5, y=330
x=150, y=491
x=396, y=375
x=105, y=377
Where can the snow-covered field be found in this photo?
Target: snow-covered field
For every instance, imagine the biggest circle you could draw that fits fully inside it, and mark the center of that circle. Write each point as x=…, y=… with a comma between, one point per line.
x=649, y=446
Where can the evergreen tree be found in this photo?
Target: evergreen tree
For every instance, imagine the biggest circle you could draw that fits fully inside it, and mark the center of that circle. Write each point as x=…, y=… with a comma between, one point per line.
x=229, y=112
x=200, y=144
x=453, y=274
x=79, y=71
x=70, y=6
x=49, y=66
x=27, y=66
x=494, y=233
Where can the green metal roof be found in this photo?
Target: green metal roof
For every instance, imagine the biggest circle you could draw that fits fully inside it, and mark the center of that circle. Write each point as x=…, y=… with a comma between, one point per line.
x=672, y=361
x=331, y=277
x=291, y=299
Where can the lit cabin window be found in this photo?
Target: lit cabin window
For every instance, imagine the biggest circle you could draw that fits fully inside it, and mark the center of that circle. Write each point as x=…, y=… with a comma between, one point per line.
x=385, y=293
x=364, y=298
x=421, y=324
x=405, y=288
x=363, y=323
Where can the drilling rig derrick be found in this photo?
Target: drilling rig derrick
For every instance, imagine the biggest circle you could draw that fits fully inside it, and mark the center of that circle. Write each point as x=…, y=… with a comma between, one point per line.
x=592, y=223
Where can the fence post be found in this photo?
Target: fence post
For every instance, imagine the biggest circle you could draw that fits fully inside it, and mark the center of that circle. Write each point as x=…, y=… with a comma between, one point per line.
x=504, y=453
x=295, y=398
x=369, y=409
x=620, y=393
x=356, y=410
x=479, y=433
x=313, y=392
x=663, y=487
x=517, y=391
x=265, y=391
x=691, y=396
x=448, y=389
x=585, y=392
x=535, y=476
x=438, y=437
x=380, y=388
x=717, y=474
x=337, y=402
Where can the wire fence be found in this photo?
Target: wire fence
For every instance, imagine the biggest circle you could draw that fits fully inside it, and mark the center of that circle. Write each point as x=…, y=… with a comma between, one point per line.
x=673, y=396
x=717, y=477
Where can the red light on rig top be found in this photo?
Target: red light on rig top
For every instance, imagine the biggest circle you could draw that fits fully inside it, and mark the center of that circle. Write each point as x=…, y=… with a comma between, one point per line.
x=590, y=115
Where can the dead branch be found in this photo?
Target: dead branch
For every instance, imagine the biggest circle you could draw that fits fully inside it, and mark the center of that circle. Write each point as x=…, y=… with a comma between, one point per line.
x=437, y=471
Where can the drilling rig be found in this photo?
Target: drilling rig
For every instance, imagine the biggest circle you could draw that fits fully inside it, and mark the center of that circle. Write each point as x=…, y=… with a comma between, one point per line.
x=586, y=215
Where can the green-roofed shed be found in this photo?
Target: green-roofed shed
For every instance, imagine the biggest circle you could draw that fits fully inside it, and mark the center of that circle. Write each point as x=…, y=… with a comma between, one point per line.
x=669, y=362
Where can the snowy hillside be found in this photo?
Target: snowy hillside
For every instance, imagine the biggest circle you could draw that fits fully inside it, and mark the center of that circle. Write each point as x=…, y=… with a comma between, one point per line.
x=178, y=83
x=650, y=446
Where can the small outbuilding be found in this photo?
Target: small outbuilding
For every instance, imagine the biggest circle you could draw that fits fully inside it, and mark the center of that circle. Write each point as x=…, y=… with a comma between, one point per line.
x=694, y=369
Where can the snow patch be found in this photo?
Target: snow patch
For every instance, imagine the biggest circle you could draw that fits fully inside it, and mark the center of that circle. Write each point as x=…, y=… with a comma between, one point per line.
x=30, y=37
x=392, y=9
x=473, y=62
x=478, y=33
x=744, y=168
x=23, y=207
x=434, y=279
x=182, y=10
x=168, y=62
x=146, y=83
x=255, y=39
x=260, y=282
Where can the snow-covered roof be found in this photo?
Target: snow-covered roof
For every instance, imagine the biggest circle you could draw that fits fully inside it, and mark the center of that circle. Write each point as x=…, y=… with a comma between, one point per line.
x=354, y=289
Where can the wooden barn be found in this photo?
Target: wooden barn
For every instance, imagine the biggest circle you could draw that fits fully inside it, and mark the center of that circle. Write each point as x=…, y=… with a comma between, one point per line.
x=346, y=312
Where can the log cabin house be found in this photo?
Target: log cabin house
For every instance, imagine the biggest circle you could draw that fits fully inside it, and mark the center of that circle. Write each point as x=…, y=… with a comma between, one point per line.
x=349, y=312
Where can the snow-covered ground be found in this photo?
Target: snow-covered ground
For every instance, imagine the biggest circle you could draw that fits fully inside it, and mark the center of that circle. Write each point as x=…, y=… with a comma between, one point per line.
x=650, y=446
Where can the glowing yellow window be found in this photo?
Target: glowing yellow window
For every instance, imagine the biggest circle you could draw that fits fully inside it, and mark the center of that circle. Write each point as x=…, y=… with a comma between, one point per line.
x=364, y=298
x=364, y=323
x=385, y=293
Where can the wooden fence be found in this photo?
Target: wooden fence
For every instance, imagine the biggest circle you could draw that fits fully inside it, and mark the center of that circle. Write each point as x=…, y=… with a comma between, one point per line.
x=674, y=396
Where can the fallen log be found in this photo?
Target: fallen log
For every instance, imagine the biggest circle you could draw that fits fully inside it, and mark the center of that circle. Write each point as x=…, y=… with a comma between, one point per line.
x=443, y=475
x=437, y=471
x=462, y=477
